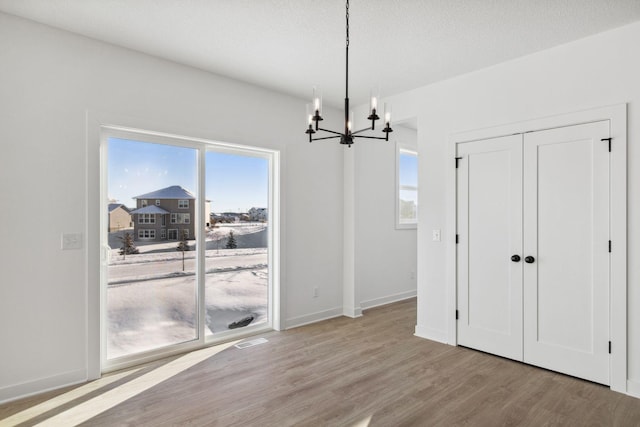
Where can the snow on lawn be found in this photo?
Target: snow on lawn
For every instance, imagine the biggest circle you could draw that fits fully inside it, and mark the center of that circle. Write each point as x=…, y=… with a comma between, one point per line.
x=156, y=313
x=151, y=302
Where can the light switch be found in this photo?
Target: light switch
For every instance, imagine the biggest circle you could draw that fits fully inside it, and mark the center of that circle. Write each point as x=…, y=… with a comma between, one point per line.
x=436, y=235
x=71, y=241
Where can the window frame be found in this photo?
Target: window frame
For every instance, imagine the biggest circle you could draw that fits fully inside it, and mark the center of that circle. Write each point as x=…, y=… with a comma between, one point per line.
x=149, y=232
x=146, y=218
x=183, y=203
x=403, y=149
x=102, y=133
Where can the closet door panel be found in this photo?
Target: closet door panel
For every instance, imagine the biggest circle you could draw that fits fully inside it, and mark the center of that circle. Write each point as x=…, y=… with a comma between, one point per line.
x=566, y=287
x=489, y=228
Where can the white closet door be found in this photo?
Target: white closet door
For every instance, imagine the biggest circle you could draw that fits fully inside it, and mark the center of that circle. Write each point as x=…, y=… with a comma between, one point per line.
x=566, y=231
x=490, y=233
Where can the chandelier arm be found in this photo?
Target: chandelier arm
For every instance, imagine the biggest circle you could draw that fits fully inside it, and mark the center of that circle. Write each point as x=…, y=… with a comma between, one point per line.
x=330, y=131
x=360, y=131
x=370, y=137
x=326, y=137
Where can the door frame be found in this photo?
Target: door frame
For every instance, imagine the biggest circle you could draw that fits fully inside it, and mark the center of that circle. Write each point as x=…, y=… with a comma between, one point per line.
x=96, y=123
x=617, y=117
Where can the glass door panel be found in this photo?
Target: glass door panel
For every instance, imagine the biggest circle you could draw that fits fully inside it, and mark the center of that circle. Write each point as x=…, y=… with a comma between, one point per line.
x=237, y=243
x=151, y=292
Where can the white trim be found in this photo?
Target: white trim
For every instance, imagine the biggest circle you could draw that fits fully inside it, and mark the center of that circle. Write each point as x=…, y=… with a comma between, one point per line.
x=350, y=294
x=617, y=116
x=275, y=294
x=319, y=316
x=352, y=312
x=431, y=334
x=41, y=385
x=633, y=388
x=401, y=296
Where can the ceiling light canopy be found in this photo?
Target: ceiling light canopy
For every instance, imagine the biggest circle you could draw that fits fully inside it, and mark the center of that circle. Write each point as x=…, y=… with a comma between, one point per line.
x=347, y=137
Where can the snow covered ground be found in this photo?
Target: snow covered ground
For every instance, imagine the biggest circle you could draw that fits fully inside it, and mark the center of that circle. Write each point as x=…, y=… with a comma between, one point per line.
x=151, y=301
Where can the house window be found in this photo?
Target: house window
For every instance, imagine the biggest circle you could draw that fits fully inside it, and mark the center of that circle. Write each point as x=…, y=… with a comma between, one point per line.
x=163, y=233
x=180, y=218
x=143, y=203
x=147, y=234
x=146, y=218
x=407, y=188
x=164, y=220
x=185, y=233
x=173, y=234
x=183, y=204
x=157, y=202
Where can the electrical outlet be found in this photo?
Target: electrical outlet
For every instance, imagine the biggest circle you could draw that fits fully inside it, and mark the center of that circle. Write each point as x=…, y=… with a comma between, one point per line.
x=436, y=235
x=71, y=241
x=315, y=292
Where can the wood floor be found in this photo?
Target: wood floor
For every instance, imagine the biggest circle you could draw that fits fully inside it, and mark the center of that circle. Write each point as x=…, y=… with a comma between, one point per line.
x=369, y=371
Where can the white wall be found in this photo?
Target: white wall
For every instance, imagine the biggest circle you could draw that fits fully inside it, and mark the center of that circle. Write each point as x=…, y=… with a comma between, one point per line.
x=593, y=72
x=49, y=81
x=385, y=257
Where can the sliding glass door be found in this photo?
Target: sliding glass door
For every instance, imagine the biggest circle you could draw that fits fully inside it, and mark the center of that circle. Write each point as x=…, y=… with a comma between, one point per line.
x=188, y=241
x=237, y=256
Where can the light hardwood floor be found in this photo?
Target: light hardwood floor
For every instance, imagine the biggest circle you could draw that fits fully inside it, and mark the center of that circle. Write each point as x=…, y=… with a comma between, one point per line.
x=347, y=372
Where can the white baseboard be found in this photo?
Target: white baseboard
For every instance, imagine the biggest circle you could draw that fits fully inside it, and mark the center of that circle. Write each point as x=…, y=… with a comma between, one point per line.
x=294, y=322
x=388, y=299
x=431, y=334
x=41, y=385
x=633, y=388
x=352, y=312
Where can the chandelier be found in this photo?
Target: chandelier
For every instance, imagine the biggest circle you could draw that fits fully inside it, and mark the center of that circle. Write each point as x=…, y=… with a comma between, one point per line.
x=314, y=111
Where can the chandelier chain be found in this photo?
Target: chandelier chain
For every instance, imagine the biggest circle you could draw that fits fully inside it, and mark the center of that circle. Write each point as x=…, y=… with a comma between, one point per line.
x=347, y=16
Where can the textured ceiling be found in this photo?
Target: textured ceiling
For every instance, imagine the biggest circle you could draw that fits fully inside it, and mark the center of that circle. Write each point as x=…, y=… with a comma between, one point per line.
x=291, y=45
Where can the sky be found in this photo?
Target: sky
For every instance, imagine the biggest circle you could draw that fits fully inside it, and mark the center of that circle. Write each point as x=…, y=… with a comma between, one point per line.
x=233, y=183
x=409, y=176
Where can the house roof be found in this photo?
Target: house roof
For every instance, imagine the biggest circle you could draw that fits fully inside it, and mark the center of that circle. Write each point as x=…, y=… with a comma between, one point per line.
x=173, y=192
x=114, y=206
x=151, y=209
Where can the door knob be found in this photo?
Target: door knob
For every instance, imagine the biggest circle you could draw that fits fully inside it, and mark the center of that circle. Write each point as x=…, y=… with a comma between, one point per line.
x=529, y=259
x=515, y=258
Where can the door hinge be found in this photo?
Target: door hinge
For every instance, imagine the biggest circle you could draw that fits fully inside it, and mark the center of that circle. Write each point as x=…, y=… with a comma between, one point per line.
x=457, y=318
x=609, y=246
x=457, y=160
x=609, y=141
x=457, y=239
x=609, y=347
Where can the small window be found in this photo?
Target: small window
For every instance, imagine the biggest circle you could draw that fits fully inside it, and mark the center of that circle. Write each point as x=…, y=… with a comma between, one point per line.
x=163, y=234
x=407, y=188
x=157, y=202
x=173, y=234
x=147, y=234
x=183, y=204
x=185, y=233
x=143, y=203
x=146, y=219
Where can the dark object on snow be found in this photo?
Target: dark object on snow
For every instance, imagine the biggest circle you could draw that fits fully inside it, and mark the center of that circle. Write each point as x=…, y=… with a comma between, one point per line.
x=241, y=323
